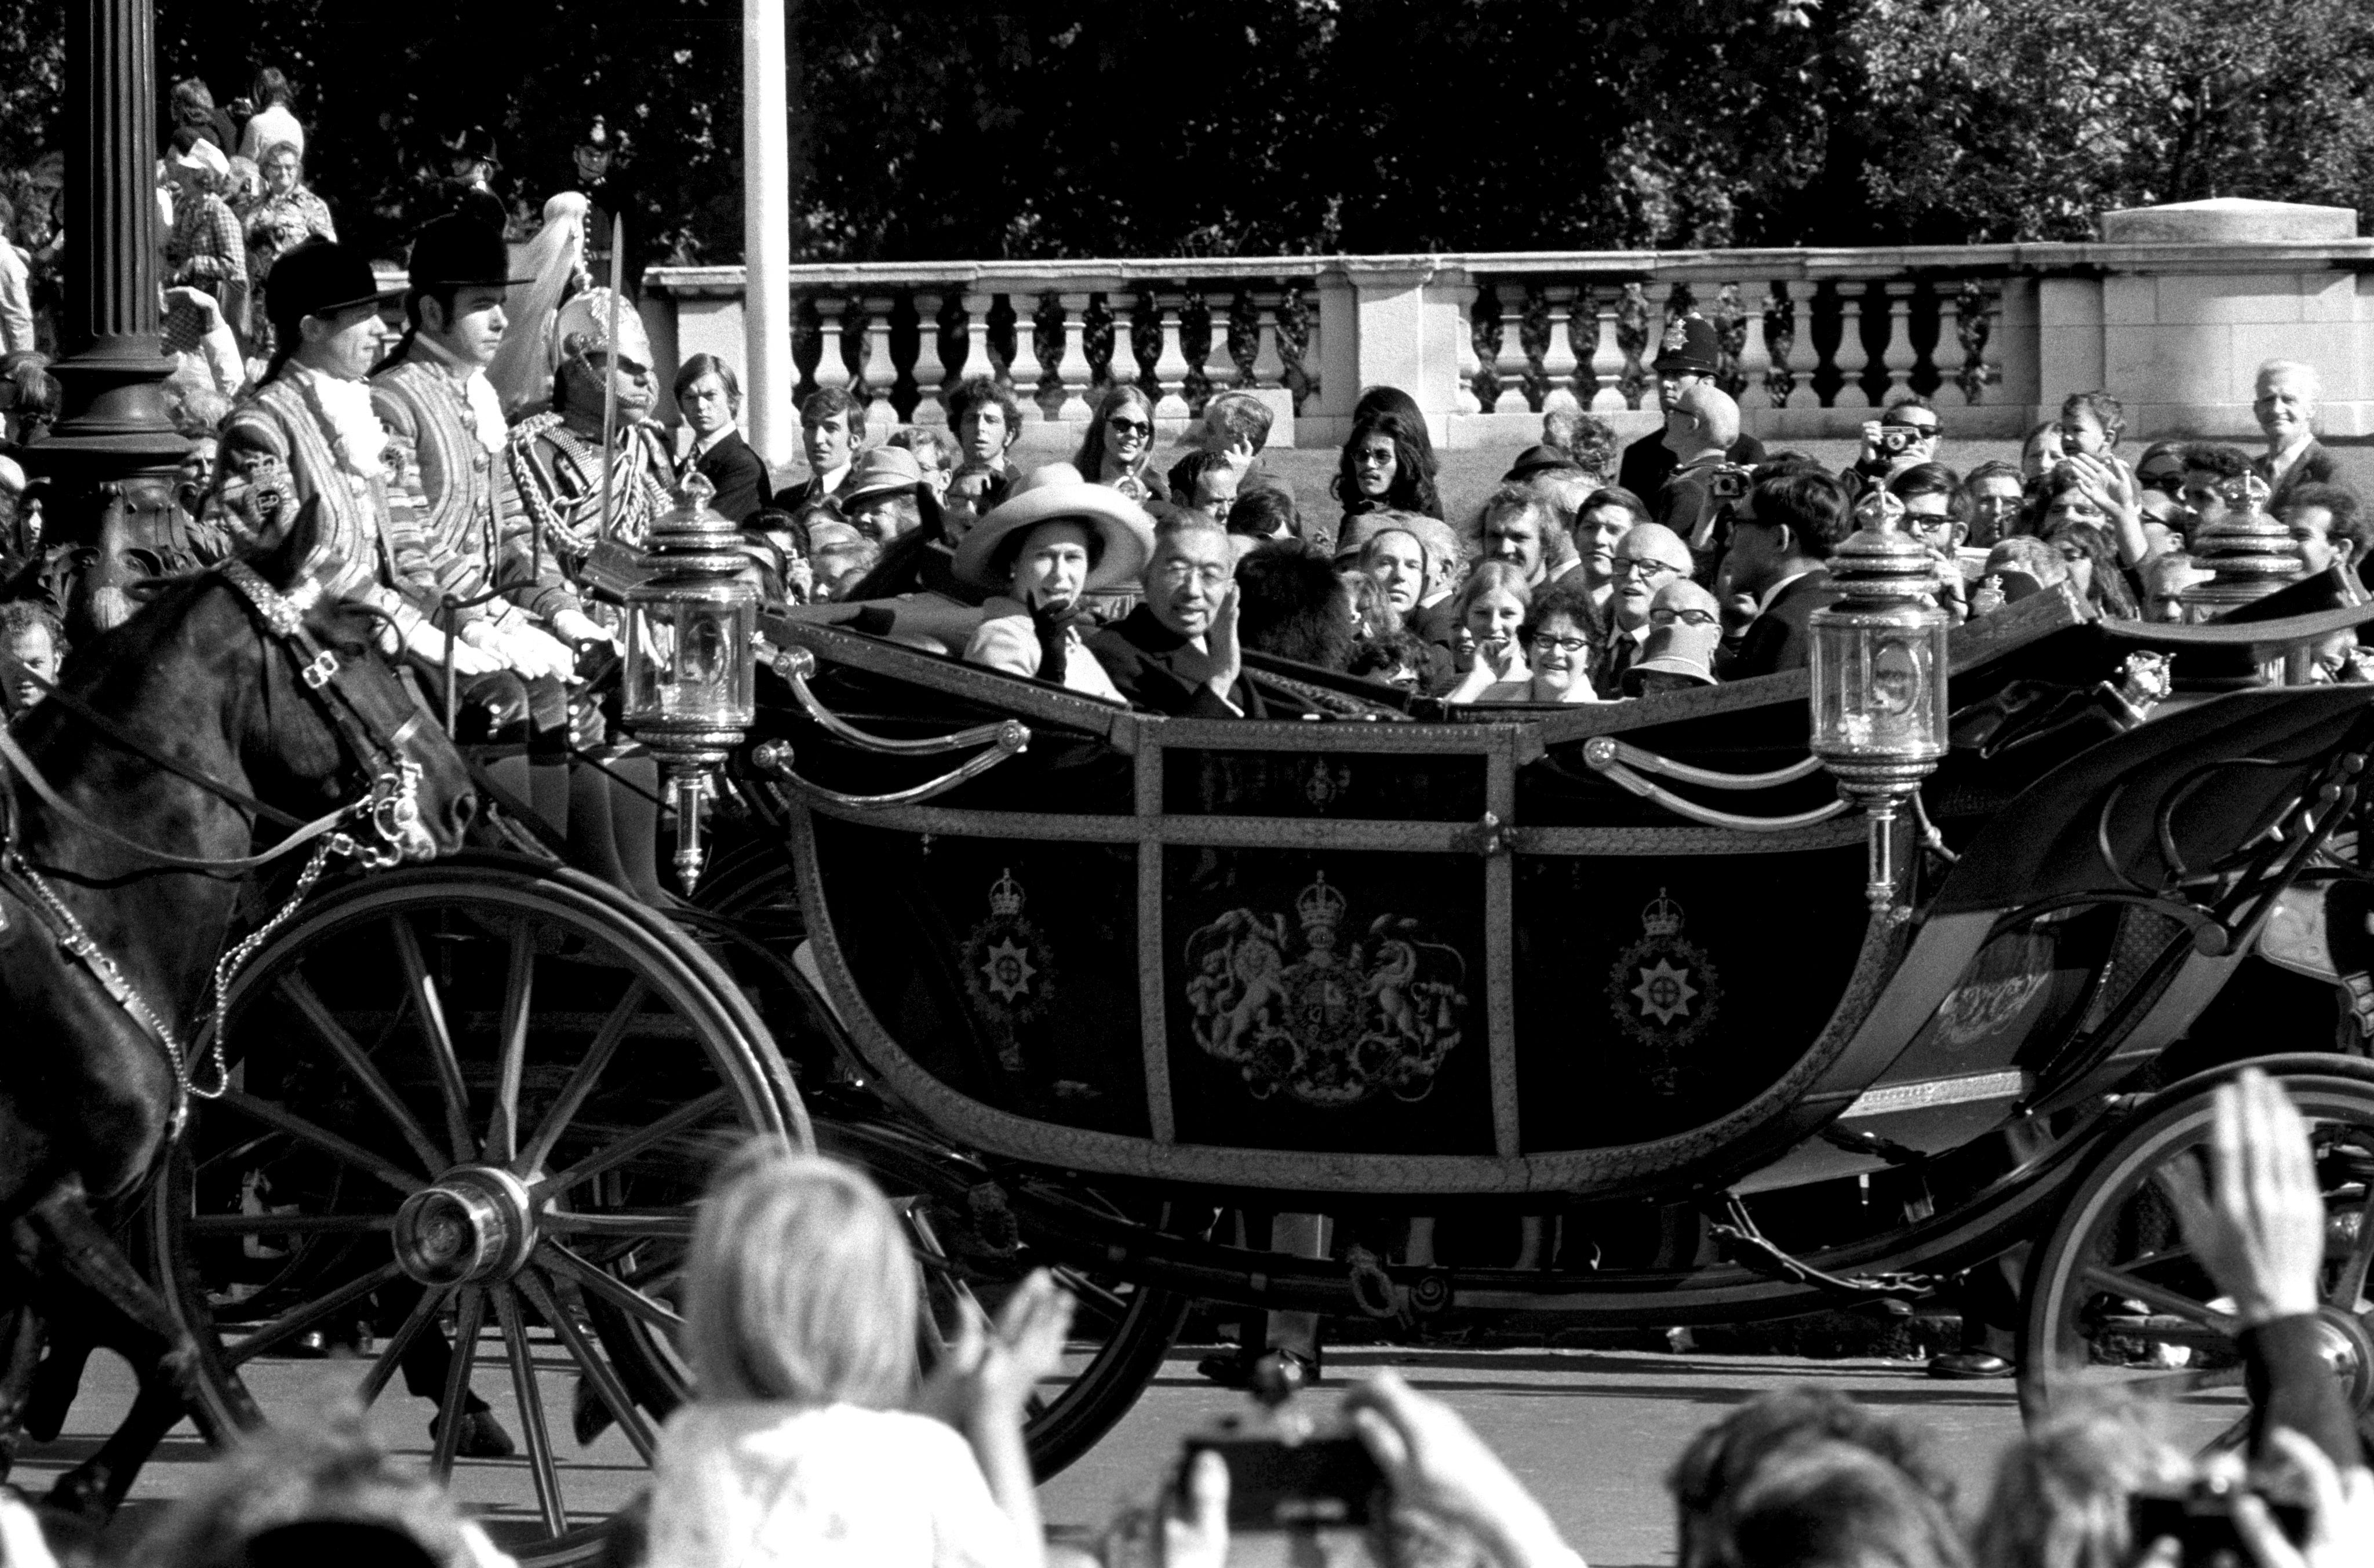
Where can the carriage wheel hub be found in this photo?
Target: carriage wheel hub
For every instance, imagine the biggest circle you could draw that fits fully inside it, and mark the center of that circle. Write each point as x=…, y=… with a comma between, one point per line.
x=2346, y=1342
x=473, y=1226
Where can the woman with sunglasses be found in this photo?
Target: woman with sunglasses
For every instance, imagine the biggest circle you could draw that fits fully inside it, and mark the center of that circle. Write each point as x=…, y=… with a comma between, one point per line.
x=1118, y=450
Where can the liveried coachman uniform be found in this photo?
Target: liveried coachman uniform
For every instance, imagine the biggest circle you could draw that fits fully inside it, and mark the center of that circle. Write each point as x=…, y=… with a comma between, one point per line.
x=447, y=426
x=315, y=436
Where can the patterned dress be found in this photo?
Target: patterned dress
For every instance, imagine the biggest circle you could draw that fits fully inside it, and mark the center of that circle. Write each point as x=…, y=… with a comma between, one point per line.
x=206, y=252
x=276, y=226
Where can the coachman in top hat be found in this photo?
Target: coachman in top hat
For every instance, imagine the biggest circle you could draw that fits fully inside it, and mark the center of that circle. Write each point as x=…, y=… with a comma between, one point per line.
x=307, y=435
x=479, y=554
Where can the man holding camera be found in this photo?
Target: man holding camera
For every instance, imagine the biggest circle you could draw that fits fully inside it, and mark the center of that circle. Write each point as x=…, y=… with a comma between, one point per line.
x=1689, y=356
x=1701, y=426
x=1906, y=436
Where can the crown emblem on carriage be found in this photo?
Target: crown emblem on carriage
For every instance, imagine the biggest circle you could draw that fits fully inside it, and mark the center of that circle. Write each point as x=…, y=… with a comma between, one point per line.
x=1005, y=896
x=1321, y=909
x=1365, y=1008
x=1663, y=916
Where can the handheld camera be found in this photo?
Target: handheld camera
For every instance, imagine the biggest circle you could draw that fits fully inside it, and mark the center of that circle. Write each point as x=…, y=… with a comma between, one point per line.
x=1299, y=1491
x=2200, y=1519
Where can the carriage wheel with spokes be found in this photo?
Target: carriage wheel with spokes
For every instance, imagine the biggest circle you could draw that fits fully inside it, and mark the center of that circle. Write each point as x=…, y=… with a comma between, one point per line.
x=2116, y=1300
x=472, y=1107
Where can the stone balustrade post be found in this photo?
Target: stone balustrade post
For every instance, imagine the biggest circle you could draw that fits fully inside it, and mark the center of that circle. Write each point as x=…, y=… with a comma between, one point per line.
x=979, y=359
x=1752, y=302
x=1269, y=365
x=1898, y=359
x=1605, y=354
x=1557, y=353
x=1073, y=370
x=832, y=363
x=1853, y=358
x=1509, y=363
x=879, y=376
x=1024, y=368
x=1170, y=366
x=930, y=374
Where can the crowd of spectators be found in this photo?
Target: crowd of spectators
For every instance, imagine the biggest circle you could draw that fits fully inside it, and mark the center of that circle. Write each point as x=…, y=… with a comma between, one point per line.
x=1567, y=583
x=814, y=1436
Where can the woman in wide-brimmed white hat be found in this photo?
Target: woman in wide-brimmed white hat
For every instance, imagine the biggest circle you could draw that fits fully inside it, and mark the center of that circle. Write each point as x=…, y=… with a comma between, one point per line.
x=1054, y=540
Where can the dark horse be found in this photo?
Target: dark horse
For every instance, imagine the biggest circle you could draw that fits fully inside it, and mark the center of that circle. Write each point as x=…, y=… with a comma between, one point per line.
x=231, y=682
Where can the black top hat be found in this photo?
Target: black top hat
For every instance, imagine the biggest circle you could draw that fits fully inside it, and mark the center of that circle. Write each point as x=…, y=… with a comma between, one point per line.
x=459, y=252
x=320, y=278
x=477, y=143
x=1689, y=347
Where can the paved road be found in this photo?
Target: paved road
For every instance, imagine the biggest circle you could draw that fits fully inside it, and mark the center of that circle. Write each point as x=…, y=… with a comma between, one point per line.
x=1592, y=1431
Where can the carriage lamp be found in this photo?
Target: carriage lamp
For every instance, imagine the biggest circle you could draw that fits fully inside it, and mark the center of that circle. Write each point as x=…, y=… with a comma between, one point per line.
x=692, y=623
x=1879, y=678
x=2248, y=554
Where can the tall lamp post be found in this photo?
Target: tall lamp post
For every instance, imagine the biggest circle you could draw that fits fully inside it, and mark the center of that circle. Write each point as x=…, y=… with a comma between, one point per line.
x=111, y=457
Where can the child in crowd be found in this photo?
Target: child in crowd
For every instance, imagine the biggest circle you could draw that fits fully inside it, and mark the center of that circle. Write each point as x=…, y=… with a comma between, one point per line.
x=808, y=1442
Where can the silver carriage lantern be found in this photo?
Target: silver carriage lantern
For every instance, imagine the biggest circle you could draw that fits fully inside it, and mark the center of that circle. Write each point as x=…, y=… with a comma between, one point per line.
x=1879, y=677
x=692, y=623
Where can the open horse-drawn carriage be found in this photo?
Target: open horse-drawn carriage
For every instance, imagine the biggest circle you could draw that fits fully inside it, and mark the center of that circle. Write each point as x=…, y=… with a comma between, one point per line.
x=1655, y=1027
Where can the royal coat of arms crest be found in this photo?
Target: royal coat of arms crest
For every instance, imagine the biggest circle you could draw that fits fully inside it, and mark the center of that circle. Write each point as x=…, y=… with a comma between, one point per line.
x=1009, y=971
x=1333, y=1026
x=1664, y=992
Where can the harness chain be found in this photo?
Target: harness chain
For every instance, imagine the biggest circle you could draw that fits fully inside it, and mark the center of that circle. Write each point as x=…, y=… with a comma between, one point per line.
x=391, y=806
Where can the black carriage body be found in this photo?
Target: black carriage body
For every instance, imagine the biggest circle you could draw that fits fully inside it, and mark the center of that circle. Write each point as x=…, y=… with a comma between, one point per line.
x=1343, y=960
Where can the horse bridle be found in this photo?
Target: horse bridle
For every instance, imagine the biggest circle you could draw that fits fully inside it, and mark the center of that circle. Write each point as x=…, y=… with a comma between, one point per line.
x=391, y=807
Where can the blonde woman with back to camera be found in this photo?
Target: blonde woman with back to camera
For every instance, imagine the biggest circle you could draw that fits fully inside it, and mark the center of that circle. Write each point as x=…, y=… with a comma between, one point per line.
x=810, y=1440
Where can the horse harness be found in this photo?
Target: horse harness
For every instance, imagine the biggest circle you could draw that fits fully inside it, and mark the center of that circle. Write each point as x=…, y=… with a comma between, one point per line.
x=390, y=810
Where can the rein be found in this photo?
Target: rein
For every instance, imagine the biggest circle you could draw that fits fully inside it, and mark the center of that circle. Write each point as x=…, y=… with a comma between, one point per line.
x=391, y=806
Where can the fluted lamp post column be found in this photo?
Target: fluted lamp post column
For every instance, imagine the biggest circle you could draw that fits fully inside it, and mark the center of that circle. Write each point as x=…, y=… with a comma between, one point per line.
x=111, y=457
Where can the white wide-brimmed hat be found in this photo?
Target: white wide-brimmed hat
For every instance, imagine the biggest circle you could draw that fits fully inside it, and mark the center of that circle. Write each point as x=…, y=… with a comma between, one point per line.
x=1057, y=494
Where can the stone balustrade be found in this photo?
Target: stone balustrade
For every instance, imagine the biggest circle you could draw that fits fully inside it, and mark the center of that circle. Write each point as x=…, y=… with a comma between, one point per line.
x=2170, y=312
x=899, y=337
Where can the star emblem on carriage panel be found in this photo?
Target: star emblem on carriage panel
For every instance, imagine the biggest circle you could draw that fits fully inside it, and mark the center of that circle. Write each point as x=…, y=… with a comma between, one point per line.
x=1663, y=991
x=1009, y=969
x=1332, y=1019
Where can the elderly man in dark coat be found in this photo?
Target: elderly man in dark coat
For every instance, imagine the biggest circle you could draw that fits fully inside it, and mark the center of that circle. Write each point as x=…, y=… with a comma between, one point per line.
x=1177, y=652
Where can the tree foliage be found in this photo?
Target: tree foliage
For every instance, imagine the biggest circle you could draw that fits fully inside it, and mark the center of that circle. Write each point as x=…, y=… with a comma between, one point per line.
x=1058, y=128
x=2023, y=119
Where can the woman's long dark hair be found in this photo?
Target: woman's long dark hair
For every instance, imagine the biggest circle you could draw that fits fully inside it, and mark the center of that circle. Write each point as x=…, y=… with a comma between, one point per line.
x=1413, y=487
x=1090, y=461
x=2105, y=585
x=1403, y=407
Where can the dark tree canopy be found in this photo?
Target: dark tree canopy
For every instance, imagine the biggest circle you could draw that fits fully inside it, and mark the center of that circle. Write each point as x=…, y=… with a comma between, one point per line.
x=1051, y=128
